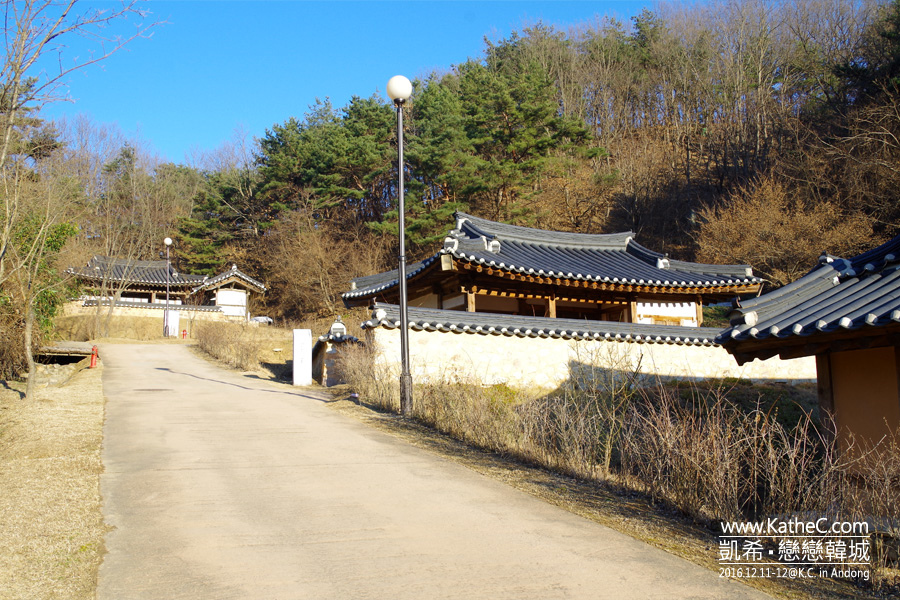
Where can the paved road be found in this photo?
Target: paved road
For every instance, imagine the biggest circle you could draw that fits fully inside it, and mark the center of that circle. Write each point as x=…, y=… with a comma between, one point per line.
x=222, y=486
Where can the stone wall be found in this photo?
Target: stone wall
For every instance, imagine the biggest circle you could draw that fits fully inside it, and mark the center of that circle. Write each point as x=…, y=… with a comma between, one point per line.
x=546, y=363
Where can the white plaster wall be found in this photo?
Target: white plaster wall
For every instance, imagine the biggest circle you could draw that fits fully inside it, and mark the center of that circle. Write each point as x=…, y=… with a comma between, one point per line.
x=545, y=363
x=233, y=302
x=685, y=312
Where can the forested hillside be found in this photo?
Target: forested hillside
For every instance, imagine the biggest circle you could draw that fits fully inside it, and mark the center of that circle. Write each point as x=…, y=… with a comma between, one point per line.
x=739, y=131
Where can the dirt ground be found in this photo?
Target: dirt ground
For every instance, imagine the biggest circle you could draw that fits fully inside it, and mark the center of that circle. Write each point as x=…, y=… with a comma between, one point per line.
x=51, y=526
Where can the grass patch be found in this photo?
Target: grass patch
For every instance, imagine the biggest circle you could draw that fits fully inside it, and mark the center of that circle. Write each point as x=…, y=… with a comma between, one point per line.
x=51, y=525
x=716, y=316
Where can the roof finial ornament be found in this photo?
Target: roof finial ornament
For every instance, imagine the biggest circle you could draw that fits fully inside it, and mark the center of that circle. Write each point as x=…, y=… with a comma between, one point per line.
x=338, y=329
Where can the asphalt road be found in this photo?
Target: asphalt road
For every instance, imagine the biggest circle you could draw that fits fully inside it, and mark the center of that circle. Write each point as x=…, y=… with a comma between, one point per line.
x=221, y=486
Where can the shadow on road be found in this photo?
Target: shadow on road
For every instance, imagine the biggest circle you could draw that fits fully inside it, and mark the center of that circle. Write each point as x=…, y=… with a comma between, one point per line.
x=243, y=387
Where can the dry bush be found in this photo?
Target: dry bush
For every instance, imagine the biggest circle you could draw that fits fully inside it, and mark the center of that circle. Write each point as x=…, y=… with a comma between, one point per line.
x=236, y=344
x=715, y=461
x=780, y=236
x=12, y=355
x=373, y=382
x=483, y=416
x=309, y=264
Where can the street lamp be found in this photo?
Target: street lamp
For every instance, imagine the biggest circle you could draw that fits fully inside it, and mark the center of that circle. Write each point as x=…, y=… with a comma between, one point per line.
x=167, y=242
x=399, y=90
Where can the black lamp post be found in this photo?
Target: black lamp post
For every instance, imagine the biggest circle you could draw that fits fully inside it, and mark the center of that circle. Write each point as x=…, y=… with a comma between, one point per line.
x=168, y=242
x=399, y=90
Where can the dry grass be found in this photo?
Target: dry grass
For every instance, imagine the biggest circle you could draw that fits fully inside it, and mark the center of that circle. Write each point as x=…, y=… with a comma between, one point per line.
x=264, y=350
x=237, y=345
x=81, y=328
x=51, y=526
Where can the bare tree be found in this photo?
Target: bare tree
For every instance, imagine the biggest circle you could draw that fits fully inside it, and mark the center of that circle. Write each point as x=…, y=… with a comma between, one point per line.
x=763, y=224
x=35, y=193
x=35, y=30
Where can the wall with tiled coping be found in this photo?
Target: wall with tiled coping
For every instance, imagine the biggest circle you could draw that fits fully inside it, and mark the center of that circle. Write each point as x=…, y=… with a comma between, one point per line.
x=545, y=363
x=187, y=318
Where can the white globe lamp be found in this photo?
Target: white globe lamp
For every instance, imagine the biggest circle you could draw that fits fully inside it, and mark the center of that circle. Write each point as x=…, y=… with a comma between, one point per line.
x=399, y=89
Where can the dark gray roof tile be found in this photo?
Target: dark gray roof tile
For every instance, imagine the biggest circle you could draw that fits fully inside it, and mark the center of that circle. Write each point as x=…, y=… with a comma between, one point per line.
x=432, y=319
x=232, y=272
x=607, y=258
x=151, y=272
x=837, y=294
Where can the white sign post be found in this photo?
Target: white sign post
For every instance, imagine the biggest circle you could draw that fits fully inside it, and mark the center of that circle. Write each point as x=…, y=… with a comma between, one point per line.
x=172, y=323
x=303, y=357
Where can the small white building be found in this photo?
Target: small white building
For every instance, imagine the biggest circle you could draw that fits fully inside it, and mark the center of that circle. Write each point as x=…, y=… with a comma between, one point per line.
x=230, y=291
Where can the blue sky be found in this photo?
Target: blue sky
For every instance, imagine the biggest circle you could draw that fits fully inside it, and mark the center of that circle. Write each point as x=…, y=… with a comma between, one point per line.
x=219, y=65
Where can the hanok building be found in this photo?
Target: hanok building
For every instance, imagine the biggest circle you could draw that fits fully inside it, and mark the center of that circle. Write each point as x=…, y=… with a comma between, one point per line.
x=846, y=313
x=147, y=284
x=485, y=266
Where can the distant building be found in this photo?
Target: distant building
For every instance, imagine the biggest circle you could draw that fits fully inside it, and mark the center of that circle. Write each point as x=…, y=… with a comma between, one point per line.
x=491, y=267
x=141, y=284
x=846, y=313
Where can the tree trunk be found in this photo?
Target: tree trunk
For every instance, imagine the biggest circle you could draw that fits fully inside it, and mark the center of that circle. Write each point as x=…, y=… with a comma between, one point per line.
x=29, y=357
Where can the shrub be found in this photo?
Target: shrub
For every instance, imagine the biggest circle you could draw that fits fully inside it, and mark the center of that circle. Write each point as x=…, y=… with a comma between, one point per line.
x=236, y=344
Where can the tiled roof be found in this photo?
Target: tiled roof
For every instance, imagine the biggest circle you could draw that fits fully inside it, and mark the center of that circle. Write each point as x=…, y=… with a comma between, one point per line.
x=233, y=272
x=373, y=284
x=607, y=258
x=151, y=305
x=432, y=319
x=838, y=295
x=152, y=272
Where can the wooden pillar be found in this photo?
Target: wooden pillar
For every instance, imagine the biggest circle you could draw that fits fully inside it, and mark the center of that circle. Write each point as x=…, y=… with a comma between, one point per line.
x=632, y=312
x=825, y=391
x=551, y=307
x=439, y=292
x=699, y=311
x=470, y=301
